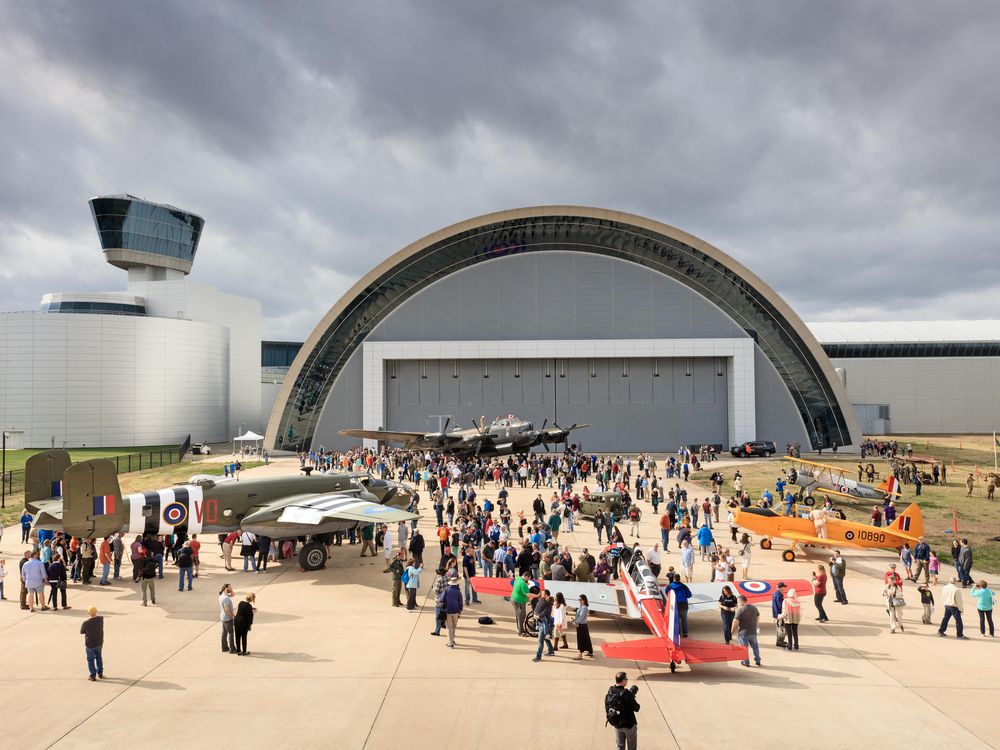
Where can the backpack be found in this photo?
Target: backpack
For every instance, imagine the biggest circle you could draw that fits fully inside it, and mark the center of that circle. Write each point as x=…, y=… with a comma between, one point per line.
x=633, y=514
x=405, y=577
x=485, y=620
x=613, y=706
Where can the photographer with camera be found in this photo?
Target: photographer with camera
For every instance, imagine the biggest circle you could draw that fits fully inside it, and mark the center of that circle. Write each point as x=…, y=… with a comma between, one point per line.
x=620, y=707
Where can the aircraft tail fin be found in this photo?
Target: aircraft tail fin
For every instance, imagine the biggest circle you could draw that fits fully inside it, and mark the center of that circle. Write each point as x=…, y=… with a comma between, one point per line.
x=43, y=475
x=890, y=486
x=92, y=499
x=910, y=522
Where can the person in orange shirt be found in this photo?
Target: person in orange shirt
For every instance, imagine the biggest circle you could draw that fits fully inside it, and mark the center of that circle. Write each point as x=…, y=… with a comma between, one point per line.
x=665, y=530
x=104, y=558
x=444, y=537
x=195, y=546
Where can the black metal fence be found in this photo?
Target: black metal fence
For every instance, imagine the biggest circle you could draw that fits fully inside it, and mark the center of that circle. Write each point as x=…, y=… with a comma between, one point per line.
x=12, y=482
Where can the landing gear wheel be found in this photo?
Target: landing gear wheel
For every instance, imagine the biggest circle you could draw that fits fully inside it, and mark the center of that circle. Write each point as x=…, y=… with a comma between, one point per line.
x=673, y=667
x=530, y=624
x=788, y=556
x=312, y=556
x=809, y=500
x=765, y=543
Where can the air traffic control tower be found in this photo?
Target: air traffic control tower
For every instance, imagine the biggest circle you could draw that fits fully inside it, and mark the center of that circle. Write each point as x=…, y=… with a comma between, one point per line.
x=152, y=241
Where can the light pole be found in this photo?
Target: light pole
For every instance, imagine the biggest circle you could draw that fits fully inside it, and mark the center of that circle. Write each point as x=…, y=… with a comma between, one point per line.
x=3, y=472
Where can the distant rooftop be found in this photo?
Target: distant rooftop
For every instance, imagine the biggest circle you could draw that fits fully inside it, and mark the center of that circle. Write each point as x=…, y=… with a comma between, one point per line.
x=906, y=331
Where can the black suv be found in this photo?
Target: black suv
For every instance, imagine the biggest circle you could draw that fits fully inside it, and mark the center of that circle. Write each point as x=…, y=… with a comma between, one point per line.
x=754, y=448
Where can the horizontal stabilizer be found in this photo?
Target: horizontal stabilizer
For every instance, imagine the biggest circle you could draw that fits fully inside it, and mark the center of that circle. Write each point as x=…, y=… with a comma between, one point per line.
x=491, y=586
x=703, y=652
x=645, y=649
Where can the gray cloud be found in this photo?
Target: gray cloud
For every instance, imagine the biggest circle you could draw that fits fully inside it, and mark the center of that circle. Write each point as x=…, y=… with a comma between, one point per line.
x=843, y=151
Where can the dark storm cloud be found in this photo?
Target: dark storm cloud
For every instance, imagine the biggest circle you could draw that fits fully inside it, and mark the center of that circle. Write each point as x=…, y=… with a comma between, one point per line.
x=846, y=152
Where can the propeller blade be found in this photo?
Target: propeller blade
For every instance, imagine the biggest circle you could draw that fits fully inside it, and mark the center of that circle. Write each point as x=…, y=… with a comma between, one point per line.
x=446, y=423
x=545, y=422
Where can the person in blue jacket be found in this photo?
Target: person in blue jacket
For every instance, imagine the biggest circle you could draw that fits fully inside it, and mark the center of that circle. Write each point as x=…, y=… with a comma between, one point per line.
x=681, y=595
x=705, y=541
x=26, y=520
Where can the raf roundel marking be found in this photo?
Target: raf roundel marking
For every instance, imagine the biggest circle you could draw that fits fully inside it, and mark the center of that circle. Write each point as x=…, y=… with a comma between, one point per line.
x=849, y=535
x=175, y=514
x=754, y=587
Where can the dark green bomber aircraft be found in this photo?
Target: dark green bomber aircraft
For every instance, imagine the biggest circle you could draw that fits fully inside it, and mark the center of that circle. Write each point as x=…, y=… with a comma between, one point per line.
x=85, y=500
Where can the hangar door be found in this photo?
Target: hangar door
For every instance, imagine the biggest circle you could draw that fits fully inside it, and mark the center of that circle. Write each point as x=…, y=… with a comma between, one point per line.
x=632, y=404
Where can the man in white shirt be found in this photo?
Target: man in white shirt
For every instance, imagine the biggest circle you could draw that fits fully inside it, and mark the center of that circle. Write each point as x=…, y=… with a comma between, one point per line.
x=951, y=598
x=654, y=558
x=387, y=546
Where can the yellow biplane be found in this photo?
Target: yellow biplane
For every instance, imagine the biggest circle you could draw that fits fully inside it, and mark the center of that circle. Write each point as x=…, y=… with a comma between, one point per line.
x=813, y=477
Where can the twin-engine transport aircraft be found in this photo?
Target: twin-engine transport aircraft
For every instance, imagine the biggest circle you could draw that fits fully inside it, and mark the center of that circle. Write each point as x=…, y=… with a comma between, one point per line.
x=637, y=595
x=85, y=500
x=812, y=477
x=502, y=436
x=818, y=527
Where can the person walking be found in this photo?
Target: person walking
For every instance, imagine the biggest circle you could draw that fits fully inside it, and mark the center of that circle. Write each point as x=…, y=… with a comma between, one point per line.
x=583, y=642
x=368, y=539
x=985, y=600
x=242, y=622
x=838, y=569
x=791, y=614
x=746, y=549
x=921, y=560
x=543, y=621
x=227, y=616
x=453, y=605
x=727, y=609
x=438, y=588
x=559, y=622
x=964, y=564
x=92, y=631
x=951, y=597
x=620, y=707
x=745, y=628
x=185, y=566
x=819, y=591
x=147, y=580
x=412, y=576
x=892, y=592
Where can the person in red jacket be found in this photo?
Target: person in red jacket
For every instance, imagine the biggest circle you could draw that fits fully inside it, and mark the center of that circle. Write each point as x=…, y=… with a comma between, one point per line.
x=819, y=591
x=891, y=574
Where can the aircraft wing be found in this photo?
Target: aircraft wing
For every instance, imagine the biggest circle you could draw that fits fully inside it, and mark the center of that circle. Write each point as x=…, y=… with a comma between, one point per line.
x=809, y=539
x=314, y=509
x=389, y=435
x=603, y=597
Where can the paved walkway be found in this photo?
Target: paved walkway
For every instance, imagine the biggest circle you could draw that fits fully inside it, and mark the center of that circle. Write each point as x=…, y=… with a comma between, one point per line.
x=332, y=664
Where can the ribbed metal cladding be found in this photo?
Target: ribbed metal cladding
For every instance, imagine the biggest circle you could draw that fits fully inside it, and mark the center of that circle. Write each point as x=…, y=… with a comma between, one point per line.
x=710, y=278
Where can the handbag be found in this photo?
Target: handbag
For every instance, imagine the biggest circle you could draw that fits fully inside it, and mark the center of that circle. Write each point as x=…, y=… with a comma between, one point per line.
x=897, y=601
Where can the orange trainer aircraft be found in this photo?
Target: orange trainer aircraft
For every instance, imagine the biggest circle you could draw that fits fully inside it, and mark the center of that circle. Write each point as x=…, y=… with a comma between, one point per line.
x=818, y=526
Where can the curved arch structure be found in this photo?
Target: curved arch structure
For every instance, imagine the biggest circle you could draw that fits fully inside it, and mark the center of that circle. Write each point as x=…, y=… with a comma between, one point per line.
x=818, y=395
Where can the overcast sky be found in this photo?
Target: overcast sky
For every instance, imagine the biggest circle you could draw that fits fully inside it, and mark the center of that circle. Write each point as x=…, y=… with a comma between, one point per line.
x=847, y=152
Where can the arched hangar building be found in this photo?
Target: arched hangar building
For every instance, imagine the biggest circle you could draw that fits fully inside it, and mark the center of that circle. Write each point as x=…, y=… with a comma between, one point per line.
x=653, y=336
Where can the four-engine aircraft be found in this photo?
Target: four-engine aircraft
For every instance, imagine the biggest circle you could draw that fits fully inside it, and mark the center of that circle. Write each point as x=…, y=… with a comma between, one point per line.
x=811, y=476
x=85, y=500
x=502, y=436
x=818, y=527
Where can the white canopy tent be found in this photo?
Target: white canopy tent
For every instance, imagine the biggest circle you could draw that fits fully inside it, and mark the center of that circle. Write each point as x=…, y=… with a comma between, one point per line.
x=248, y=437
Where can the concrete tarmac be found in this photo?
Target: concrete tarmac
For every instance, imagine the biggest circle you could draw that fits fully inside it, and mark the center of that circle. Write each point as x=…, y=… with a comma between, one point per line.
x=332, y=664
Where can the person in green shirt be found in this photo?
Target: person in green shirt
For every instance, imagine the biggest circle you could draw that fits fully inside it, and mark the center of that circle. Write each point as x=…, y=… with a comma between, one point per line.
x=555, y=520
x=519, y=598
x=396, y=567
x=368, y=539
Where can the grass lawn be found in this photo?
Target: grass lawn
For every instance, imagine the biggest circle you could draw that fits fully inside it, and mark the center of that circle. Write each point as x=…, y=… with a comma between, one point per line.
x=16, y=459
x=978, y=518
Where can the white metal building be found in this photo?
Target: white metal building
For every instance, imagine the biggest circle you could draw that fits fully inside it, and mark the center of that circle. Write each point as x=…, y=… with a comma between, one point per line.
x=918, y=377
x=148, y=366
